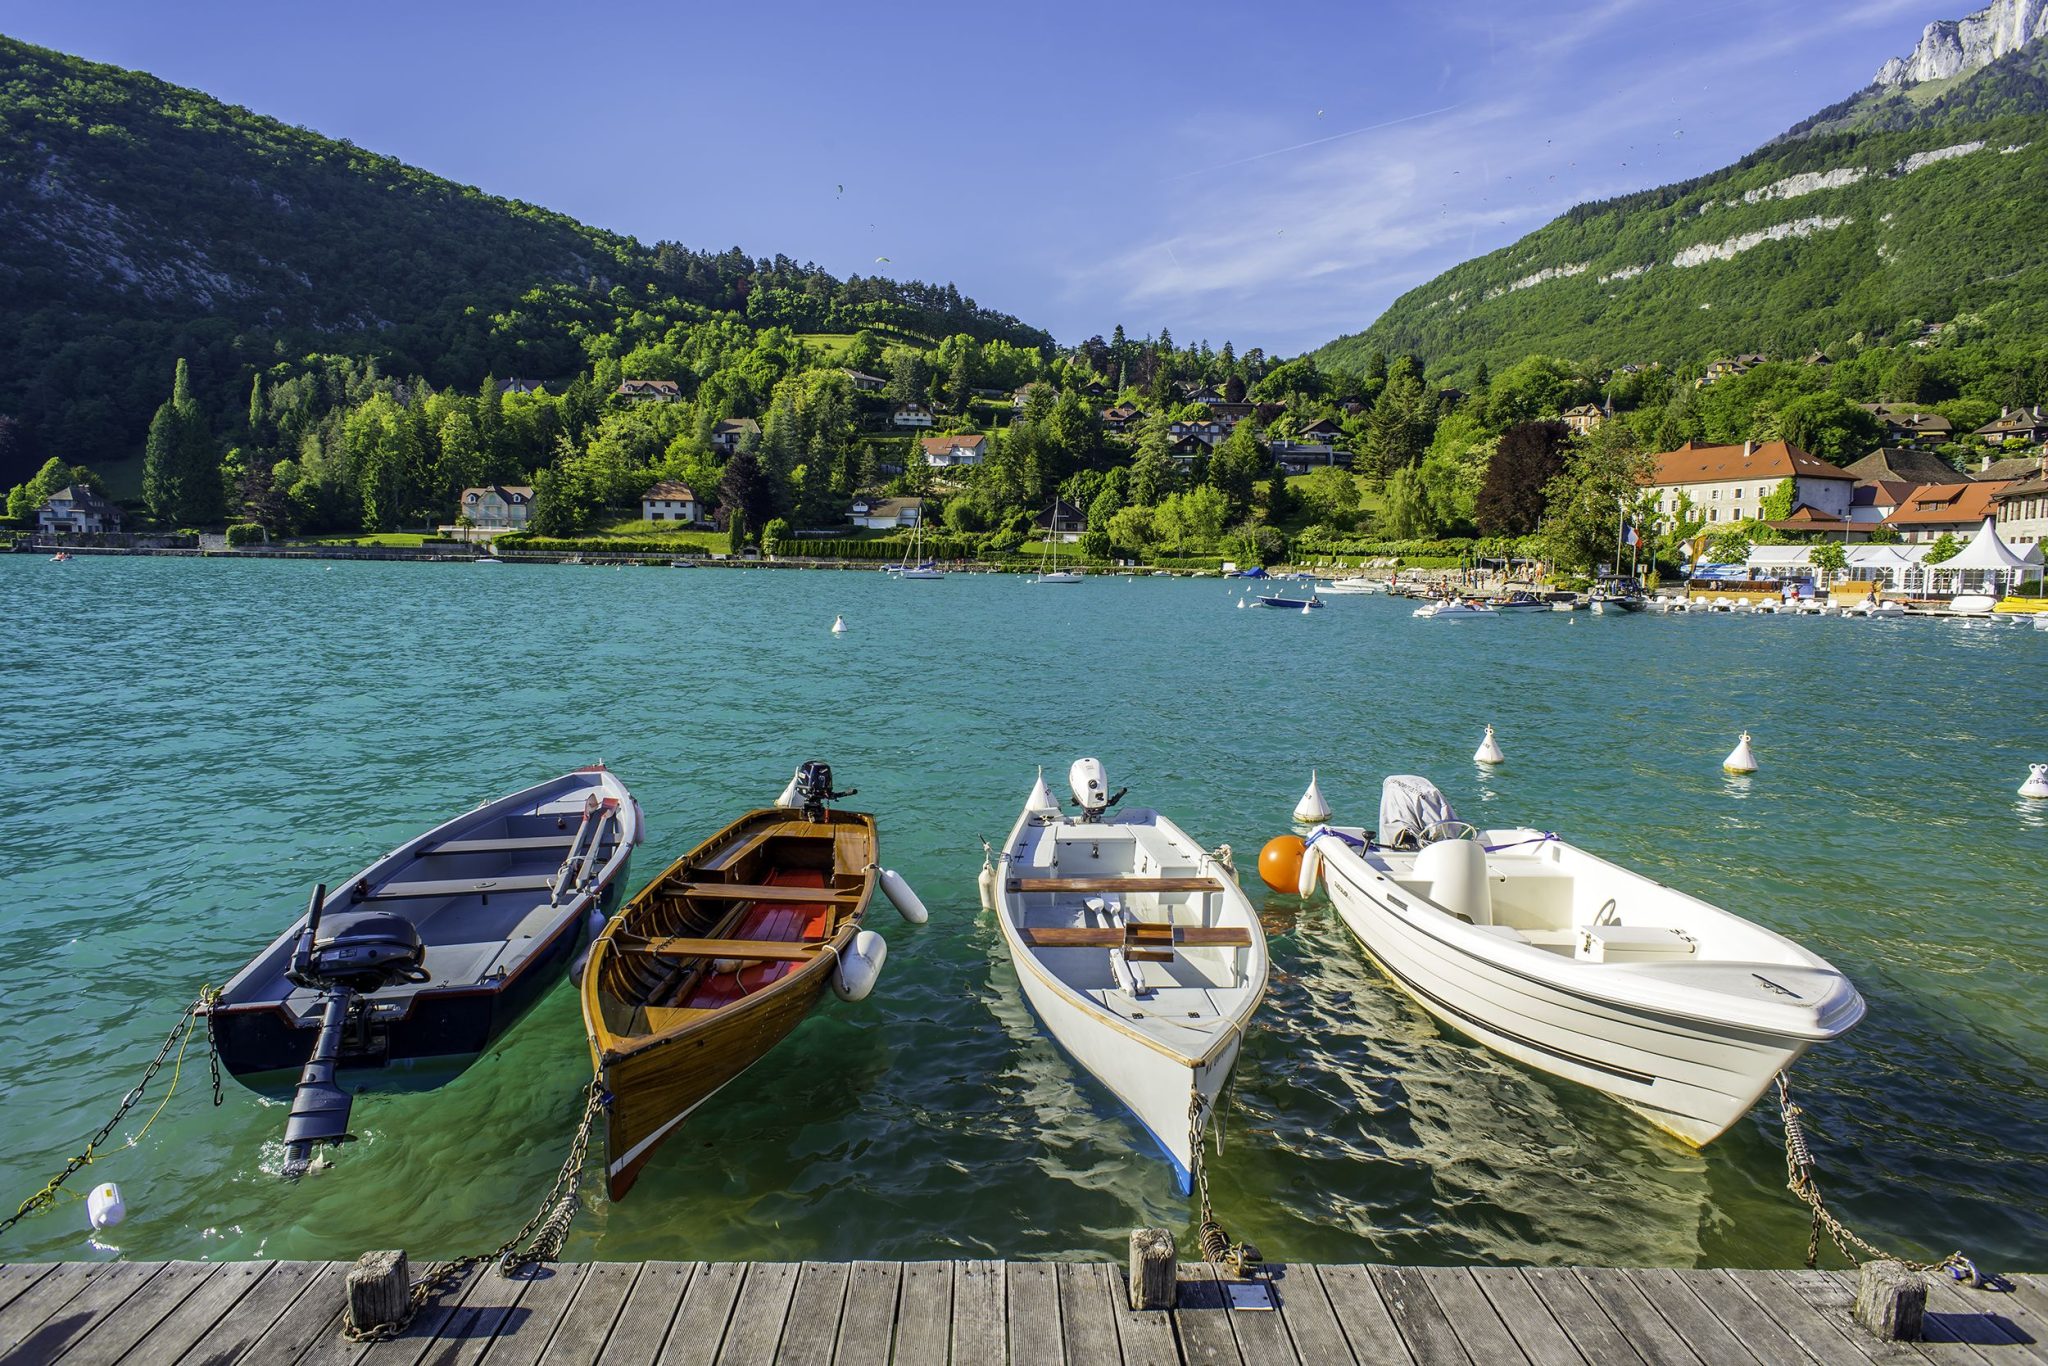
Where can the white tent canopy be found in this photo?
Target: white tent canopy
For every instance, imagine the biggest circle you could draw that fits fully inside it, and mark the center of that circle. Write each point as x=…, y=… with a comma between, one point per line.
x=1985, y=551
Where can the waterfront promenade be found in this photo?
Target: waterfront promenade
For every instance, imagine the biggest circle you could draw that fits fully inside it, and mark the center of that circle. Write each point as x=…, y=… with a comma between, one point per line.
x=984, y=1313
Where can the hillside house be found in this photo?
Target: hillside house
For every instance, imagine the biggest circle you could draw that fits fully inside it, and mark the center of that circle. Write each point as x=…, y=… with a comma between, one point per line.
x=1583, y=419
x=1875, y=500
x=2026, y=426
x=1199, y=393
x=1021, y=396
x=1069, y=519
x=648, y=390
x=948, y=452
x=1299, y=457
x=727, y=435
x=1230, y=414
x=669, y=501
x=1122, y=417
x=864, y=382
x=2023, y=512
x=1209, y=432
x=76, y=510
x=1908, y=425
x=498, y=507
x=1904, y=464
x=1732, y=365
x=1186, y=450
x=911, y=415
x=1729, y=483
x=1959, y=509
x=515, y=385
x=886, y=514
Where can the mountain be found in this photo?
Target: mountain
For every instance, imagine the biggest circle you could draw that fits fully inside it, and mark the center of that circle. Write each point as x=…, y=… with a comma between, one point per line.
x=140, y=222
x=1915, y=201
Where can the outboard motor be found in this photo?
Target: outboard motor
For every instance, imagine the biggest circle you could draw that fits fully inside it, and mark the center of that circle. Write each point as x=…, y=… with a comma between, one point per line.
x=814, y=788
x=1090, y=786
x=353, y=955
x=1409, y=808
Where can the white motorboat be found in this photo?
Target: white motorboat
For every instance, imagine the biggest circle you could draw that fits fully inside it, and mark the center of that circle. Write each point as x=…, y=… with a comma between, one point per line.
x=1357, y=585
x=1137, y=950
x=1680, y=1010
x=1454, y=609
x=1521, y=600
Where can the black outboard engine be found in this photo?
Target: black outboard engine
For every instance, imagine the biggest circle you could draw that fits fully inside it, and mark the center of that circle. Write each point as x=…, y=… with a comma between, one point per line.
x=814, y=789
x=353, y=955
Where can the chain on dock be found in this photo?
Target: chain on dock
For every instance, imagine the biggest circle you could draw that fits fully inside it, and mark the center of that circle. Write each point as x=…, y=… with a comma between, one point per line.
x=179, y=1037
x=1240, y=1259
x=1799, y=1179
x=539, y=1240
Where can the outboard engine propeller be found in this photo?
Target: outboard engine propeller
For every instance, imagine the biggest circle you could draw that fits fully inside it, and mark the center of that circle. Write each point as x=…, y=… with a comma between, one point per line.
x=1090, y=786
x=814, y=789
x=361, y=952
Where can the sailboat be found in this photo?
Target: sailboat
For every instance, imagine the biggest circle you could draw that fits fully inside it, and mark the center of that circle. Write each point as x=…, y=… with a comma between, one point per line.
x=1049, y=570
x=915, y=565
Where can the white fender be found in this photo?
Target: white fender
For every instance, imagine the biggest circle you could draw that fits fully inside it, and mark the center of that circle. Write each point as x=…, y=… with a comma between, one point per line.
x=905, y=901
x=860, y=966
x=987, y=882
x=104, y=1205
x=1311, y=869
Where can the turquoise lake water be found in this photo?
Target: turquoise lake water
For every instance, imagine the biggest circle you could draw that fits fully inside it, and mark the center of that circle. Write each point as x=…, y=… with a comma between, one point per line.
x=188, y=745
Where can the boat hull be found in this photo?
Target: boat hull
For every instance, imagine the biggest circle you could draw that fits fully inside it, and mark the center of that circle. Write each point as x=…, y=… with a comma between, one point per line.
x=1691, y=1077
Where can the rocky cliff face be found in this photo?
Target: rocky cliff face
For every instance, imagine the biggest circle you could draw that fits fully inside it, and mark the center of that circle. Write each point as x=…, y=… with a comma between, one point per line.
x=1950, y=47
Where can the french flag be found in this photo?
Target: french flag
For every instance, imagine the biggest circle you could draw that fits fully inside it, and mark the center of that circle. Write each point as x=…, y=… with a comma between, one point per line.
x=1628, y=534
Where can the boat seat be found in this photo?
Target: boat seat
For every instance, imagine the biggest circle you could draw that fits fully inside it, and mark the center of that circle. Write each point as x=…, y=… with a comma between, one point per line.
x=1139, y=935
x=748, y=891
x=748, y=950
x=508, y=846
x=1114, y=884
x=1633, y=944
x=461, y=886
x=725, y=858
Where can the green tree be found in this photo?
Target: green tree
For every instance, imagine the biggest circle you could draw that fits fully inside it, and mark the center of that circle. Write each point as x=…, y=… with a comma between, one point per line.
x=1406, y=514
x=1829, y=558
x=1585, y=504
x=1235, y=468
x=1728, y=547
x=23, y=499
x=1828, y=425
x=180, y=467
x=1944, y=548
x=1397, y=428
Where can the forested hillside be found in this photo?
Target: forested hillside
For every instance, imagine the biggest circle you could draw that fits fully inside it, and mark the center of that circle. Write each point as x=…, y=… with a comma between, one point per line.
x=1819, y=242
x=141, y=222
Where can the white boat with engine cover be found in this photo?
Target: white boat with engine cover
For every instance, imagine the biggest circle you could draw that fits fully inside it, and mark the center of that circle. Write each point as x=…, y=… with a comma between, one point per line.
x=1680, y=1010
x=1454, y=609
x=1137, y=950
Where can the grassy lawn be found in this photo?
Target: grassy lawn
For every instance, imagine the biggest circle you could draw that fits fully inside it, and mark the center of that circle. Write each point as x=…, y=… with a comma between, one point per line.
x=831, y=347
x=410, y=539
x=633, y=528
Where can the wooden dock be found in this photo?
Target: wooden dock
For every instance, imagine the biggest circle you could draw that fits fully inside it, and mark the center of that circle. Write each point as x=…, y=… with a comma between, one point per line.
x=988, y=1313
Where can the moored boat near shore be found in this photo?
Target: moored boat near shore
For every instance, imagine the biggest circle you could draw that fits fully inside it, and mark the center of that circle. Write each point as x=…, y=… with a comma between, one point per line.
x=719, y=958
x=1680, y=1010
x=1137, y=950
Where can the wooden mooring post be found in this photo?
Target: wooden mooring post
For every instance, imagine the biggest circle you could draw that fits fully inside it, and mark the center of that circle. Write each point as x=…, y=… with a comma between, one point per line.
x=1891, y=1301
x=379, y=1284
x=1155, y=1269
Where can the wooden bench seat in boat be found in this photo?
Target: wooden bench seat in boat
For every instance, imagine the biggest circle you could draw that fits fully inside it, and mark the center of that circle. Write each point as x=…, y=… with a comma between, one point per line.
x=1140, y=934
x=747, y=891
x=509, y=846
x=461, y=886
x=1115, y=884
x=750, y=950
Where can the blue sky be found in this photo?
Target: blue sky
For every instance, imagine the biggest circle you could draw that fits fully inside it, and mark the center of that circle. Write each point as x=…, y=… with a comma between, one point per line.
x=1272, y=174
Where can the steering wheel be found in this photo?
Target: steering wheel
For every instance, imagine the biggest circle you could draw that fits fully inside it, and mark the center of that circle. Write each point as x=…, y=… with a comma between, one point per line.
x=1449, y=830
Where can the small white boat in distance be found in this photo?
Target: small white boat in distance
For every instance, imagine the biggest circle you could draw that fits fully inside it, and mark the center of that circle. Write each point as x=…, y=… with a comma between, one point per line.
x=1454, y=609
x=1357, y=585
x=1137, y=950
x=1571, y=965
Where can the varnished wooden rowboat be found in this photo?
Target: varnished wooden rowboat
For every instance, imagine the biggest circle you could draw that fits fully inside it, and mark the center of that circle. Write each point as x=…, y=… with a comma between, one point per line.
x=715, y=963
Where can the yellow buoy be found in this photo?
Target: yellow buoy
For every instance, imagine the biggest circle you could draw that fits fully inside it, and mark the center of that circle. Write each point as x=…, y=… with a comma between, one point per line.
x=1280, y=862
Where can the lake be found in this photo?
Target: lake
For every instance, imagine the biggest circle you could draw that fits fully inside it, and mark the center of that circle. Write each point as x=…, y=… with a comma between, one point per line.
x=189, y=745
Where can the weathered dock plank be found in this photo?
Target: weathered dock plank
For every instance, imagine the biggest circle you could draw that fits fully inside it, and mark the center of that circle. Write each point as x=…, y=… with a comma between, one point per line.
x=867, y=1320
x=985, y=1313
x=811, y=1333
x=1033, y=1309
x=67, y=1322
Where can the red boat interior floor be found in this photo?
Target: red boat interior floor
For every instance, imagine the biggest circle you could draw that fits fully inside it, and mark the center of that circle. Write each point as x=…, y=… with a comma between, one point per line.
x=782, y=922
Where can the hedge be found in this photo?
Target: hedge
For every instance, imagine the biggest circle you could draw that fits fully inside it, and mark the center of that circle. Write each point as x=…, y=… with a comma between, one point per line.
x=244, y=533
x=560, y=545
x=935, y=547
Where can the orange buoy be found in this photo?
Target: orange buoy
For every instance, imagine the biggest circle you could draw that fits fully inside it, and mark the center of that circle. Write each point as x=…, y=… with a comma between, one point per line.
x=1280, y=863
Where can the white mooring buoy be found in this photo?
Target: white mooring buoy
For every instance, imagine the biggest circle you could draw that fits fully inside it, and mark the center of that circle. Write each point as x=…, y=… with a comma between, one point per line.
x=839, y=626
x=2036, y=784
x=1489, y=750
x=1240, y=602
x=1312, y=809
x=1741, y=759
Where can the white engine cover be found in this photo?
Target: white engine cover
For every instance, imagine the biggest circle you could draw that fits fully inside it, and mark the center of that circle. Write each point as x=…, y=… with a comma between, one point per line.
x=1089, y=784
